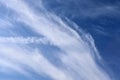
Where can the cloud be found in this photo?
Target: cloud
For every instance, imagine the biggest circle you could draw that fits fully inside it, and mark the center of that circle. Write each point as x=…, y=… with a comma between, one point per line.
x=24, y=40
x=4, y=23
x=14, y=55
x=7, y=66
x=78, y=56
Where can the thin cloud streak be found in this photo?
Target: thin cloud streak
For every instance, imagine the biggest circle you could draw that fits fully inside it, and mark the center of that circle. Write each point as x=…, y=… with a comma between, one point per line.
x=78, y=60
x=24, y=40
x=5, y=24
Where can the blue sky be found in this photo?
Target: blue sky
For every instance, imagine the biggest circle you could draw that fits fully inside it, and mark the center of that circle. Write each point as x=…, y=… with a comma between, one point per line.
x=59, y=40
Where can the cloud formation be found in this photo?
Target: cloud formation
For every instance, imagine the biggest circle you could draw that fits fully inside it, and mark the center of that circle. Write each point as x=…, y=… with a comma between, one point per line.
x=24, y=40
x=78, y=54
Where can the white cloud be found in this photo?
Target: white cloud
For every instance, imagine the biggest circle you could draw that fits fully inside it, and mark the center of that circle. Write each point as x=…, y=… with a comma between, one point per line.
x=14, y=55
x=7, y=66
x=24, y=40
x=79, y=60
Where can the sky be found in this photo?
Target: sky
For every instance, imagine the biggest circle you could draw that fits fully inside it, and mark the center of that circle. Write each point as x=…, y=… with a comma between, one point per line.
x=59, y=40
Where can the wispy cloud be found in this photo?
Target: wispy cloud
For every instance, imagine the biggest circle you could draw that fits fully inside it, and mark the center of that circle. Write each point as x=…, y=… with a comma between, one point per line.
x=4, y=23
x=32, y=59
x=78, y=52
x=24, y=40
